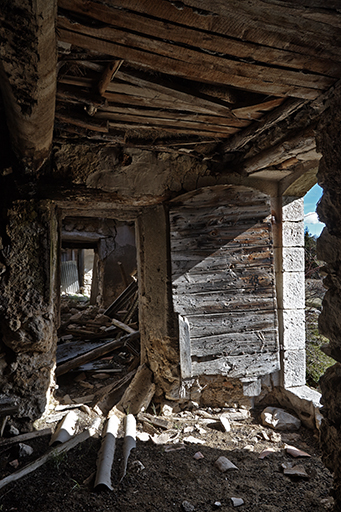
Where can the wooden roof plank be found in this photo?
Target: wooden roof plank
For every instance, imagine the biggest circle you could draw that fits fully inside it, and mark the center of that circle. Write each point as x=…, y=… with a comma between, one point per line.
x=279, y=27
x=197, y=66
x=196, y=38
x=179, y=129
x=149, y=122
x=150, y=114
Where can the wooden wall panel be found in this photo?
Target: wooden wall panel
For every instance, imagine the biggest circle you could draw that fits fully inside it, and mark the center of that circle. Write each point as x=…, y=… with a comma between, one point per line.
x=223, y=282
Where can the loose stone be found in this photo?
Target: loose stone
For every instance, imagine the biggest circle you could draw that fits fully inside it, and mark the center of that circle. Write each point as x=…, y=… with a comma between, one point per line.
x=278, y=419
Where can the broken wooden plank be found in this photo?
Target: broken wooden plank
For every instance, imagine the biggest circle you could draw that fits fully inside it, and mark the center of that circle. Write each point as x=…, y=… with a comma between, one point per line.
x=120, y=325
x=25, y=437
x=122, y=299
x=106, y=398
x=280, y=113
x=95, y=353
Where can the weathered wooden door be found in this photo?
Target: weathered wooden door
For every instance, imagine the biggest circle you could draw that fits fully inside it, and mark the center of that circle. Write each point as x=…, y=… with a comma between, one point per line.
x=223, y=282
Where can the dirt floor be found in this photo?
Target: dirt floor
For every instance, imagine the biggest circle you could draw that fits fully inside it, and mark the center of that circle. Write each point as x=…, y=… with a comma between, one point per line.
x=163, y=480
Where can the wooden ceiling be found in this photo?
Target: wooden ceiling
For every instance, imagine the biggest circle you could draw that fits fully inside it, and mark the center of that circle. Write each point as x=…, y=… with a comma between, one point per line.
x=241, y=83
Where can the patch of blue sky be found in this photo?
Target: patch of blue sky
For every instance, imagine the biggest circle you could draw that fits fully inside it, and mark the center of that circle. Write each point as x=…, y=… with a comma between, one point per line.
x=311, y=220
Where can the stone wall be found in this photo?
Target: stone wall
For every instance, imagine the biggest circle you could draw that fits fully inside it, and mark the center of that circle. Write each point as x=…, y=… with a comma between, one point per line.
x=329, y=250
x=29, y=304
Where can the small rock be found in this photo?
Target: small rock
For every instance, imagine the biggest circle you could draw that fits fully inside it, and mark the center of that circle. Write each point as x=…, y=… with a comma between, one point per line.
x=217, y=504
x=14, y=463
x=25, y=450
x=236, y=502
x=249, y=448
x=224, y=464
x=187, y=506
x=193, y=440
x=201, y=430
x=13, y=431
x=198, y=456
x=278, y=419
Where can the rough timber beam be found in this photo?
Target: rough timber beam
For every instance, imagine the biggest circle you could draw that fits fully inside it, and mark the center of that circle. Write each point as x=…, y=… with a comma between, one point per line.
x=28, y=61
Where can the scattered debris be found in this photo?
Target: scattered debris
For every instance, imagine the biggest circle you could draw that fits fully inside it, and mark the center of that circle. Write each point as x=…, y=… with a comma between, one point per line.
x=295, y=452
x=266, y=453
x=298, y=471
x=217, y=504
x=236, y=502
x=193, y=440
x=279, y=419
x=143, y=436
x=224, y=464
x=198, y=456
x=225, y=422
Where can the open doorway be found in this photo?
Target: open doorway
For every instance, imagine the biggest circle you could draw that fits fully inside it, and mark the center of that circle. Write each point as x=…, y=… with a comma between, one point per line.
x=98, y=336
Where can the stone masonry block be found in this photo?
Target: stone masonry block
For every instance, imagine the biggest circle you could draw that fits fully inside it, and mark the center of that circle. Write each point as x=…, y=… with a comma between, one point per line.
x=293, y=211
x=294, y=329
x=294, y=368
x=293, y=234
x=293, y=290
x=293, y=259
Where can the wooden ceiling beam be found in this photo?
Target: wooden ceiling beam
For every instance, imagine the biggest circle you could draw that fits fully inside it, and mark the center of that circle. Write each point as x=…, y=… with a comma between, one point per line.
x=192, y=64
x=28, y=63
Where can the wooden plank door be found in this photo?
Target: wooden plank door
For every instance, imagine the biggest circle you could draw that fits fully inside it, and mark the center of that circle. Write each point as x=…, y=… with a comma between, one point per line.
x=223, y=282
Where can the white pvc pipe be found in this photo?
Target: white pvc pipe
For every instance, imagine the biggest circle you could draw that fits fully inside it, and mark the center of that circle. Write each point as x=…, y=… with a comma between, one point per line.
x=106, y=454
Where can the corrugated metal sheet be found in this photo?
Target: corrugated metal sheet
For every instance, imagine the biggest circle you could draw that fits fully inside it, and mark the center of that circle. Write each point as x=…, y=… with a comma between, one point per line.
x=69, y=277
